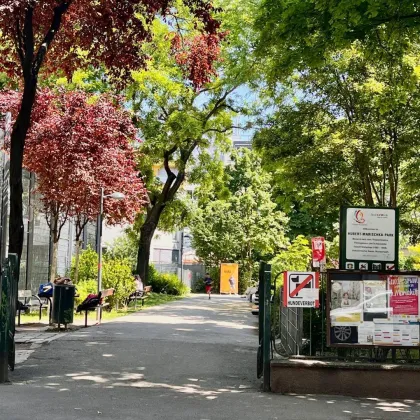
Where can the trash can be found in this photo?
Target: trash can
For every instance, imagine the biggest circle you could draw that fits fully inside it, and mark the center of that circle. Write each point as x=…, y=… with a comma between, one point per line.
x=63, y=304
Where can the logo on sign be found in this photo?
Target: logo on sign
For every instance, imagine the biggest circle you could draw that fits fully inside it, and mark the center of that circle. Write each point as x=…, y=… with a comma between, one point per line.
x=298, y=282
x=301, y=290
x=390, y=266
x=359, y=217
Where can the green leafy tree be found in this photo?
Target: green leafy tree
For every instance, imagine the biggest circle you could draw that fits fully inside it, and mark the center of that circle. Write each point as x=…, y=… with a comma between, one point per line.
x=88, y=266
x=296, y=257
x=245, y=226
x=301, y=33
x=124, y=248
x=117, y=275
x=348, y=136
x=178, y=123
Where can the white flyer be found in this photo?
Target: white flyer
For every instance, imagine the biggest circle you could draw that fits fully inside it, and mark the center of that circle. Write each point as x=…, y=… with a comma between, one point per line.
x=366, y=332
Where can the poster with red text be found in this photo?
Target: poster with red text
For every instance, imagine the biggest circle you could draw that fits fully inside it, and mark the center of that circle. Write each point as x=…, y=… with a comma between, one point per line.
x=404, y=297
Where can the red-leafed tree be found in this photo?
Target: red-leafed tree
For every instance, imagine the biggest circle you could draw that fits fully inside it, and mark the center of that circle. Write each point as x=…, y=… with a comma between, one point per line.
x=52, y=35
x=77, y=144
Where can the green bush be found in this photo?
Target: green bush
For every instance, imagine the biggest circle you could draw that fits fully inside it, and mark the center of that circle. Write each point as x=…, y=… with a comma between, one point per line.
x=88, y=265
x=84, y=288
x=117, y=275
x=199, y=286
x=166, y=283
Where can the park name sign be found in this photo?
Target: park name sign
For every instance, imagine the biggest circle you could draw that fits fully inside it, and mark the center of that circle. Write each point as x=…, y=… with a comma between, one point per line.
x=369, y=238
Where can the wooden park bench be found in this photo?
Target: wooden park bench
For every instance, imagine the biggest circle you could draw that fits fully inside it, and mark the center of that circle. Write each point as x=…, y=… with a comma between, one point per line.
x=103, y=295
x=140, y=295
x=28, y=300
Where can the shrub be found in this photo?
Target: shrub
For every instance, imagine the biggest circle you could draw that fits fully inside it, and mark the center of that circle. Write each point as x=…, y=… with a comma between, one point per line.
x=166, y=283
x=199, y=286
x=84, y=288
x=117, y=275
x=88, y=265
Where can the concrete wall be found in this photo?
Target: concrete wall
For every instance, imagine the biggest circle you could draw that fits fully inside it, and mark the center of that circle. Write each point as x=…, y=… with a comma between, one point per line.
x=351, y=379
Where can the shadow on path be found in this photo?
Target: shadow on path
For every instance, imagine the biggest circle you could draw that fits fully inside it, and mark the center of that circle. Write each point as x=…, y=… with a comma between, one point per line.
x=191, y=359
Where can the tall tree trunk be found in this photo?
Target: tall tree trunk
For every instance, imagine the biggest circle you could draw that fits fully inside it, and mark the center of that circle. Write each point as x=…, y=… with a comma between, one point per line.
x=55, y=234
x=76, y=260
x=170, y=188
x=19, y=132
x=146, y=235
x=53, y=269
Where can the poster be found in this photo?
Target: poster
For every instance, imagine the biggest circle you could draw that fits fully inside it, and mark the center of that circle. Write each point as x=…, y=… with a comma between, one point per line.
x=374, y=309
x=406, y=335
x=376, y=300
x=346, y=304
x=404, y=295
x=318, y=251
x=229, y=278
x=366, y=333
x=384, y=334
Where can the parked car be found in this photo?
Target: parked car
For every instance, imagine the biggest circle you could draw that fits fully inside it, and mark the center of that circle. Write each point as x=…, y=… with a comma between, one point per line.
x=255, y=303
x=250, y=291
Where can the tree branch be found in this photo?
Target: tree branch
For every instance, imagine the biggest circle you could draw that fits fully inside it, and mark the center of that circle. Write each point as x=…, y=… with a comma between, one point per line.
x=49, y=37
x=224, y=130
x=218, y=104
x=19, y=43
x=28, y=42
x=167, y=154
x=185, y=155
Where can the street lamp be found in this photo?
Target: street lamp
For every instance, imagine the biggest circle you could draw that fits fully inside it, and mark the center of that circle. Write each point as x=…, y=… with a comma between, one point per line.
x=115, y=196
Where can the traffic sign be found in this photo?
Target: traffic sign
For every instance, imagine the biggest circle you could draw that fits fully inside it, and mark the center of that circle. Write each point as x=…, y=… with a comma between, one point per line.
x=301, y=290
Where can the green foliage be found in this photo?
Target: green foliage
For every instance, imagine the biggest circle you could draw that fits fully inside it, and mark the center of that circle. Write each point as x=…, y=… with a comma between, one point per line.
x=85, y=288
x=166, y=283
x=117, y=275
x=411, y=259
x=345, y=132
x=341, y=108
x=244, y=227
x=296, y=257
x=124, y=247
x=88, y=266
x=300, y=33
x=199, y=286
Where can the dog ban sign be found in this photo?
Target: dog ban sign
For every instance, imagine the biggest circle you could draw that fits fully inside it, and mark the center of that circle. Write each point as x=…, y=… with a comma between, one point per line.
x=301, y=290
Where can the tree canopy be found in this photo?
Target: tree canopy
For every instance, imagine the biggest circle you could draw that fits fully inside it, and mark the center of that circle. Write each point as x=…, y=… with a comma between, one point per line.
x=243, y=227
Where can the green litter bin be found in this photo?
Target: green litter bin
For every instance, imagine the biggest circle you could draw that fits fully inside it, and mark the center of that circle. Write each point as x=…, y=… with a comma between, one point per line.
x=63, y=304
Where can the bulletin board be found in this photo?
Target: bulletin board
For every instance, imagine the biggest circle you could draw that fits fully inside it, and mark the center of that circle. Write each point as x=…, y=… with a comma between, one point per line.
x=366, y=309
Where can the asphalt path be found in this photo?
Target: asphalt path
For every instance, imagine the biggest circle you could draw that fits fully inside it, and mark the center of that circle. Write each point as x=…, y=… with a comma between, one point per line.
x=191, y=359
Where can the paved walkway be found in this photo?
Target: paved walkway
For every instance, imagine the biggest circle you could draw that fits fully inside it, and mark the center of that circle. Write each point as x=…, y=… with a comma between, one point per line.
x=191, y=359
x=29, y=339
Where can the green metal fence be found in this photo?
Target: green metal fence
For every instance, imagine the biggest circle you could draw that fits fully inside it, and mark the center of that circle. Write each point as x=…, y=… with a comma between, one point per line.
x=9, y=293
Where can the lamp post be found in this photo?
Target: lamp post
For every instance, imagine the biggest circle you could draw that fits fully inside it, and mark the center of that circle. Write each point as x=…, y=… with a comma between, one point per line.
x=115, y=196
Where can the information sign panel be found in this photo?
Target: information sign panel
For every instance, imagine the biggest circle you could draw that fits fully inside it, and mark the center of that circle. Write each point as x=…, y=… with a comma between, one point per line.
x=369, y=238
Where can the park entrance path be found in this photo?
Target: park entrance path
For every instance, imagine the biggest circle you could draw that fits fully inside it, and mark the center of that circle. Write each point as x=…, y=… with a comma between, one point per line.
x=191, y=359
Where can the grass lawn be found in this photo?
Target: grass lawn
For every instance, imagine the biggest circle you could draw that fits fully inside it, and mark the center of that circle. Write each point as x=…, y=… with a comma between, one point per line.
x=153, y=299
